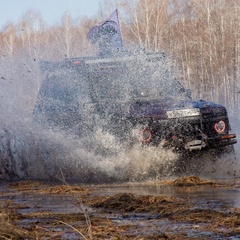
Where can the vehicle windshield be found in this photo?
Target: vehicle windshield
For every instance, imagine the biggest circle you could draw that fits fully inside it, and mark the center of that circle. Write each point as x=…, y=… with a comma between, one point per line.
x=136, y=82
x=122, y=82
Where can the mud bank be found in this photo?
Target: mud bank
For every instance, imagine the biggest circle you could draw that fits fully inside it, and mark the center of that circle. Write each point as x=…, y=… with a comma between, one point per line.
x=51, y=210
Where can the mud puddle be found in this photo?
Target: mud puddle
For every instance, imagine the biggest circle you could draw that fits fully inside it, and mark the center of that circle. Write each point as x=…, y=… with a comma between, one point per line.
x=185, y=208
x=225, y=191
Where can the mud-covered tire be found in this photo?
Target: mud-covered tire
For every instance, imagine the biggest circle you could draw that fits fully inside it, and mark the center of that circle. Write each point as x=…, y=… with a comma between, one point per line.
x=193, y=162
x=227, y=150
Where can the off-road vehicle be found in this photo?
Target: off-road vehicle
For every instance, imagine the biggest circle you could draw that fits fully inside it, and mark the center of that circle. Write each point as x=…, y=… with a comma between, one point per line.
x=134, y=97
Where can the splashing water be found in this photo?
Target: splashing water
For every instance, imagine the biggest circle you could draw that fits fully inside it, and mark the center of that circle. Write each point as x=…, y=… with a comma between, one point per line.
x=30, y=151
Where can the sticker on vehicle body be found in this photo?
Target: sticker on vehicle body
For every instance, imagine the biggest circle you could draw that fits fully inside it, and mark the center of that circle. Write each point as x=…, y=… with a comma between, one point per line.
x=191, y=112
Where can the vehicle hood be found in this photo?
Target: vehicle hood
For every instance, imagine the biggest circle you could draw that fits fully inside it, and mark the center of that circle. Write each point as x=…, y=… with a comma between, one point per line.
x=164, y=109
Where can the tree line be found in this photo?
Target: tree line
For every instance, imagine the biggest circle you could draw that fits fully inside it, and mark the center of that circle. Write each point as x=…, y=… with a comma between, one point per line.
x=202, y=38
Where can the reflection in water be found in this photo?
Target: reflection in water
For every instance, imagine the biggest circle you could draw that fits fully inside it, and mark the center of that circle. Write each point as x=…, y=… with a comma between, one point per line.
x=226, y=194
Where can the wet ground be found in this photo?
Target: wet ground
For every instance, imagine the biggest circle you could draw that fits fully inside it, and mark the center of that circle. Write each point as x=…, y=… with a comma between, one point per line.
x=183, y=208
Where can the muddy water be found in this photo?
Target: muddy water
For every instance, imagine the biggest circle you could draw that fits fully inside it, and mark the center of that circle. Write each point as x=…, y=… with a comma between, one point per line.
x=149, y=206
x=227, y=192
x=182, y=208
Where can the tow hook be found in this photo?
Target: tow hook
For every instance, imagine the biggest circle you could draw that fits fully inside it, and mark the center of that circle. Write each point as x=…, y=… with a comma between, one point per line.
x=195, y=145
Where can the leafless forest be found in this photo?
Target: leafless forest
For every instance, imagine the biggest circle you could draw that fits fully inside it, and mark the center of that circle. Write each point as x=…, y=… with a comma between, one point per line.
x=201, y=37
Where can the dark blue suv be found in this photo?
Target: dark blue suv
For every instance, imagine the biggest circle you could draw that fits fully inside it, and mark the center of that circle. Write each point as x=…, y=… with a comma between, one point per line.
x=136, y=98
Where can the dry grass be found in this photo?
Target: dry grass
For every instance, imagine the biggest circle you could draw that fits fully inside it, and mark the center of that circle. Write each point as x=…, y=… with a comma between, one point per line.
x=98, y=225
x=191, y=181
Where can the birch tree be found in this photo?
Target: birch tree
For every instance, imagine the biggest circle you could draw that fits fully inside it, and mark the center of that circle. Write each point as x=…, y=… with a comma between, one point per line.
x=64, y=36
x=145, y=23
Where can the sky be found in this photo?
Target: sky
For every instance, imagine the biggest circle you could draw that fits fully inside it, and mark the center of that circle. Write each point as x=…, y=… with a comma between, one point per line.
x=51, y=10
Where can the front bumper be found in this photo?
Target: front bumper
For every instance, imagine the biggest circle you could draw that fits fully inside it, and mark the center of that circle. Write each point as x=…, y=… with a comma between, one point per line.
x=222, y=140
x=211, y=142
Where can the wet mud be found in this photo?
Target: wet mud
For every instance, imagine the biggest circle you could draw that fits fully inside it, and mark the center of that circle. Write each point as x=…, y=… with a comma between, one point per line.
x=173, y=209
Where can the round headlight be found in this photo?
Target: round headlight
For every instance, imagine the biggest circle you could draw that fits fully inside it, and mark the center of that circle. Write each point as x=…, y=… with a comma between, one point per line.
x=145, y=135
x=220, y=126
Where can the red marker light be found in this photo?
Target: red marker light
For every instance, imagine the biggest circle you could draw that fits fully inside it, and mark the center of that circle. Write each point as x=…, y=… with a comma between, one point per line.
x=77, y=62
x=146, y=135
x=220, y=126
